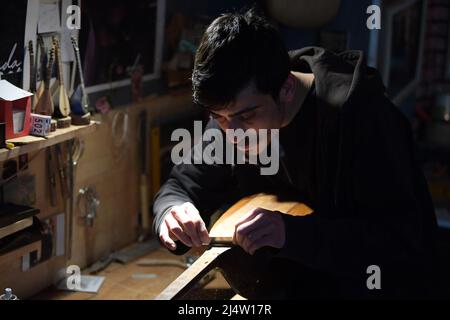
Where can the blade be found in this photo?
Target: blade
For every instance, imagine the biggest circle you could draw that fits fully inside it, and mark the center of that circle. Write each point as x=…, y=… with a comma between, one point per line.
x=221, y=241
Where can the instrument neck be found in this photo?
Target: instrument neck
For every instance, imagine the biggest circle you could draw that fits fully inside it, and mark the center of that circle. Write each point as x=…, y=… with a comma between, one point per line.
x=32, y=74
x=80, y=71
x=60, y=68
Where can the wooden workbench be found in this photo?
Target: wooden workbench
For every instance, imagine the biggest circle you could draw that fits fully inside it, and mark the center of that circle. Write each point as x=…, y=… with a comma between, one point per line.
x=114, y=173
x=134, y=282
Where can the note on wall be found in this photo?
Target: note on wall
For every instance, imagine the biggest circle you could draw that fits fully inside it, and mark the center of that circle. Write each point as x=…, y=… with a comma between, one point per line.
x=67, y=53
x=48, y=17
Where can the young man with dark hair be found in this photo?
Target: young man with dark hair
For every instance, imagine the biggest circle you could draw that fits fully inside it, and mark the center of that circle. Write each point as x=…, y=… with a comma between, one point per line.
x=346, y=151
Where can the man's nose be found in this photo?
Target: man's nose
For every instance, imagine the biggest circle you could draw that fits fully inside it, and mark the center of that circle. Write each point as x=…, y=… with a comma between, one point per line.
x=234, y=125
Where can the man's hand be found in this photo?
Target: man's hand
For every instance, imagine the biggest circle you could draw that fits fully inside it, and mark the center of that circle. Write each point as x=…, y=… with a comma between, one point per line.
x=258, y=229
x=183, y=223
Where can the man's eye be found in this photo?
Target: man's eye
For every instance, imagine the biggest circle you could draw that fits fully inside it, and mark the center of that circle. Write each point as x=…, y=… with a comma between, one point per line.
x=216, y=117
x=246, y=116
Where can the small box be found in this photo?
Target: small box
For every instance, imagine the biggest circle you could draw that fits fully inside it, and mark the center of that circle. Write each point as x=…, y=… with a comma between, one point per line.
x=15, y=109
x=40, y=125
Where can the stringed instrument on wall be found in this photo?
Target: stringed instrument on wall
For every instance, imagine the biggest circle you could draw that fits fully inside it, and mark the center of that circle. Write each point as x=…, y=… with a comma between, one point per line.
x=54, y=85
x=221, y=235
x=79, y=100
x=42, y=68
x=45, y=103
x=32, y=87
x=62, y=100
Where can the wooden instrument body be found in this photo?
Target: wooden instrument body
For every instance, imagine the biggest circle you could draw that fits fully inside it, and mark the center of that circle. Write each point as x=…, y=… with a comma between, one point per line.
x=39, y=92
x=79, y=100
x=64, y=105
x=223, y=228
x=45, y=103
x=61, y=93
x=54, y=91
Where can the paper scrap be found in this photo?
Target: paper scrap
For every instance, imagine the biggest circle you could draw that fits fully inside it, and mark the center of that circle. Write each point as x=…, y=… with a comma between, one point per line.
x=89, y=284
x=48, y=17
x=18, y=121
x=143, y=276
x=67, y=52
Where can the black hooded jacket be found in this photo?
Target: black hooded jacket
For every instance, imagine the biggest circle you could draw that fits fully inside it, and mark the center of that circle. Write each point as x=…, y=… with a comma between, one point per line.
x=348, y=154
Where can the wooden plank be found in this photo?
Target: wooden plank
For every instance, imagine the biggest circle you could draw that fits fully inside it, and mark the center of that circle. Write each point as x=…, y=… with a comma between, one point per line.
x=20, y=252
x=15, y=227
x=29, y=144
x=196, y=271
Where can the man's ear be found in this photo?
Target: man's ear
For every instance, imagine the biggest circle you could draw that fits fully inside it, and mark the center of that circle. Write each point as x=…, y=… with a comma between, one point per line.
x=287, y=91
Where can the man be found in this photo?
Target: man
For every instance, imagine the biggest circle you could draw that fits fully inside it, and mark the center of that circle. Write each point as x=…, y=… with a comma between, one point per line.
x=345, y=150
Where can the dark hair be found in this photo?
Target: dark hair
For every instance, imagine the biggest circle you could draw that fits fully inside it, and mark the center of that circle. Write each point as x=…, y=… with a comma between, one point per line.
x=236, y=49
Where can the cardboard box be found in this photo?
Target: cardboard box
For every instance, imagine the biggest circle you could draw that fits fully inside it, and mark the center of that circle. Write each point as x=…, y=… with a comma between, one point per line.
x=40, y=125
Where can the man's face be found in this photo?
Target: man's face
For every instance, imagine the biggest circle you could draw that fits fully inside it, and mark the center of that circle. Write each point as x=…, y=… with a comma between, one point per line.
x=250, y=110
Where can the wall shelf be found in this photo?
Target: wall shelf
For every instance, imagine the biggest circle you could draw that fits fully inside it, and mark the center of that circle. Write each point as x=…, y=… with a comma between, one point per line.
x=29, y=144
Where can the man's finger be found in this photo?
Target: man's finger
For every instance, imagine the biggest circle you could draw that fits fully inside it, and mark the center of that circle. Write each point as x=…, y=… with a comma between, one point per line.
x=188, y=225
x=244, y=229
x=202, y=232
x=255, y=236
x=165, y=238
x=264, y=241
x=175, y=228
x=241, y=231
x=250, y=216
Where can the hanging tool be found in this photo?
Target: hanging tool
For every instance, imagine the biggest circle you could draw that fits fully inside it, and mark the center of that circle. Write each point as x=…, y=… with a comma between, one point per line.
x=89, y=196
x=62, y=172
x=51, y=176
x=120, y=135
x=143, y=180
x=75, y=149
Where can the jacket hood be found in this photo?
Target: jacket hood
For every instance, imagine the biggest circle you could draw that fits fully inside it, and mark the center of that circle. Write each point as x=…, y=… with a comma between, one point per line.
x=338, y=77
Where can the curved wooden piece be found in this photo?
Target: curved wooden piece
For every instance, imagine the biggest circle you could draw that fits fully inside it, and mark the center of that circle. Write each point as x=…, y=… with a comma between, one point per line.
x=224, y=227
